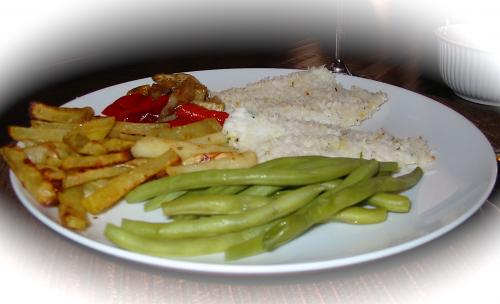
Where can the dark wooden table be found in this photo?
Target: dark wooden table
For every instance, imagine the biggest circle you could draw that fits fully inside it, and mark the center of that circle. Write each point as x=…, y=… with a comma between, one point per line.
x=36, y=261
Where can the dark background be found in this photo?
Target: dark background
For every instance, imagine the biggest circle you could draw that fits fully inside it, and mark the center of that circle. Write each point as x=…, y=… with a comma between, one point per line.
x=103, y=49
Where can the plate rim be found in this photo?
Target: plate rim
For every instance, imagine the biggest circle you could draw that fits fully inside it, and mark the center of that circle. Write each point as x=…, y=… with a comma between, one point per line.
x=252, y=269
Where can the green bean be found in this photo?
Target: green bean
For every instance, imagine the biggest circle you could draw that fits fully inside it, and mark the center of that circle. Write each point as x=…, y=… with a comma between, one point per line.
x=390, y=201
x=258, y=244
x=351, y=215
x=184, y=217
x=180, y=247
x=219, y=190
x=361, y=215
x=251, y=176
x=264, y=190
x=363, y=172
x=261, y=190
x=305, y=162
x=401, y=183
x=388, y=167
x=331, y=202
x=208, y=226
x=246, y=248
x=210, y=204
x=155, y=203
x=288, y=231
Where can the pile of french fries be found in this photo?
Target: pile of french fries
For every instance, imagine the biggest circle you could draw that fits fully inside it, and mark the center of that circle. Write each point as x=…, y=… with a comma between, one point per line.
x=82, y=163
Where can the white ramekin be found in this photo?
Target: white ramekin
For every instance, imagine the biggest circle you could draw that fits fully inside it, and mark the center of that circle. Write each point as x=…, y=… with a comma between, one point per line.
x=469, y=62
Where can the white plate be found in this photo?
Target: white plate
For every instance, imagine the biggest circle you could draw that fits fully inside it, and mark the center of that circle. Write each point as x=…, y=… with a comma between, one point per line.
x=453, y=188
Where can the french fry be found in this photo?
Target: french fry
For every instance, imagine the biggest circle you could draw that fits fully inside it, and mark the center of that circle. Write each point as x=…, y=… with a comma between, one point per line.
x=155, y=146
x=36, y=134
x=41, y=111
x=210, y=139
x=51, y=173
x=224, y=161
x=105, y=197
x=42, y=190
x=190, y=131
x=53, y=125
x=130, y=137
x=91, y=187
x=94, y=161
x=135, y=128
x=117, y=144
x=83, y=145
x=93, y=148
x=97, y=128
x=81, y=177
x=70, y=210
x=48, y=153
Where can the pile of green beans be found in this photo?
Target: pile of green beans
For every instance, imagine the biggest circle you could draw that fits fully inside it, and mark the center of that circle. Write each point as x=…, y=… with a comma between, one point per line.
x=243, y=212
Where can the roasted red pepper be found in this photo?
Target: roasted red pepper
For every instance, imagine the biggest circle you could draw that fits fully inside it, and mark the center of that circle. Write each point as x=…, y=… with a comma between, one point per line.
x=193, y=112
x=136, y=108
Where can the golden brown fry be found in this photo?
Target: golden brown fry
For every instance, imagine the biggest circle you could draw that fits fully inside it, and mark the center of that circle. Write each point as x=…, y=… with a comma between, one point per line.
x=52, y=174
x=117, y=187
x=41, y=111
x=70, y=210
x=117, y=144
x=53, y=125
x=190, y=131
x=210, y=139
x=93, y=148
x=81, y=177
x=36, y=134
x=135, y=128
x=155, y=146
x=221, y=161
x=94, y=161
x=83, y=145
x=91, y=187
x=48, y=153
x=96, y=128
x=32, y=180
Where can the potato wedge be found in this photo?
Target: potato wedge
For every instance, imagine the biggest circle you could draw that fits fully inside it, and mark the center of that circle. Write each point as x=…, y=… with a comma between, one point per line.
x=117, y=144
x=32, y=180
x=190, y=131
x=53, y=125
x=91, y=187
x=224, y=161
x=81, y=177
x=36, y=134
x=70, y=210
x=135, y=128
x=210, y=139
x=41, y=111
x=105, y=197
x=94, y=161
x=48, y=153
x=97, y=128
x=83, y=145
x=155, y=146
x=52, y=174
